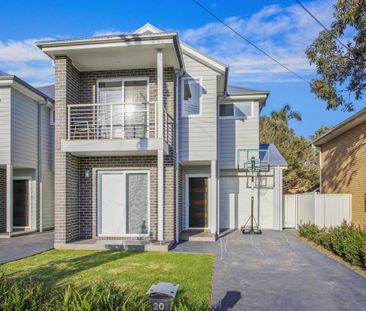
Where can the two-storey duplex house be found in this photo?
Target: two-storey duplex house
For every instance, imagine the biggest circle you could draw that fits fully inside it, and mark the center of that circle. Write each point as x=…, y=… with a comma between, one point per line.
x=147, y=140
x=26, y=158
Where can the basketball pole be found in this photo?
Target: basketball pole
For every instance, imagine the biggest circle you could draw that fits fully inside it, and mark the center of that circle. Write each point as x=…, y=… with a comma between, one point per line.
x=252, y=230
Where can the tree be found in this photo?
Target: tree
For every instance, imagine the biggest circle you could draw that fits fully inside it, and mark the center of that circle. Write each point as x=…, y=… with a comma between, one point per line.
x=320, y=132
x=303, y=171
x=286, y=114
x=341, y=63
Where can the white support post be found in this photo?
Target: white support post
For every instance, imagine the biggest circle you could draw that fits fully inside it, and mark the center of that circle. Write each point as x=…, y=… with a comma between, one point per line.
x=160, y=95
x=9, y=198
x=160, y=195
x=160, y=110
x=213, y=198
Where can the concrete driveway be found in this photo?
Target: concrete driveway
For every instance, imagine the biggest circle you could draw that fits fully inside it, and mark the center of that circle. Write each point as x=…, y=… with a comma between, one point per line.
x=25, y=245
x=278, y=271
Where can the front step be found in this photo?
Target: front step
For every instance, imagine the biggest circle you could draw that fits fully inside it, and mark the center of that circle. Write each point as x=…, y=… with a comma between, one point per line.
x=115, y=244
x=200, y=236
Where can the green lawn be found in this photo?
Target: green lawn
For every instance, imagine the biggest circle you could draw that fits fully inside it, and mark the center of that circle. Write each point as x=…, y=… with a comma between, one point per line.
x=134, y=271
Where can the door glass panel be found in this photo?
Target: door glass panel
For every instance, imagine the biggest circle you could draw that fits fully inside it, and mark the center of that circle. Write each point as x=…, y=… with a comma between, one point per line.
x=137, y=203
x=135, y=98
x=111, y=200
x=110, y=93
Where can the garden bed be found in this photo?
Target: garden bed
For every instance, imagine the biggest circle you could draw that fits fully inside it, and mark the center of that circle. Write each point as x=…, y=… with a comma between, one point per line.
x=346, y=242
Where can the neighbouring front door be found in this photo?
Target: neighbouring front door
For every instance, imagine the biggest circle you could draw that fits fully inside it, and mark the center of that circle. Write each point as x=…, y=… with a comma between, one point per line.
x=198, y=202
x=123, y=203
x=20, y=203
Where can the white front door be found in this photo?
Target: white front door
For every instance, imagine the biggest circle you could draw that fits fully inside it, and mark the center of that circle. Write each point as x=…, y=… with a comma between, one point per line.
x=123, y=203
x=111, y=199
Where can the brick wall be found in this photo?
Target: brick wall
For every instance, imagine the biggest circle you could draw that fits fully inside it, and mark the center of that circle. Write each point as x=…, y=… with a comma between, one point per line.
x=2, y=200
x=88, y=188
x=75, y=196
x=343, y=169
x=66, y=166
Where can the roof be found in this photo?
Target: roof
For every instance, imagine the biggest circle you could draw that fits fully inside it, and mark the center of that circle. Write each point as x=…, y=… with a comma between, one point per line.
x=275, y=157
x=2, y=73
x=105, y=38
x=341, y=128
x=49, y=90
x=14, y=81
x=238, y=90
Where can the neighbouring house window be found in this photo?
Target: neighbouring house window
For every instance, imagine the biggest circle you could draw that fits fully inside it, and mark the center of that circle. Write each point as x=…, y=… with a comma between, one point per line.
x=236, y=110
x=191, y=97
x=52, y=117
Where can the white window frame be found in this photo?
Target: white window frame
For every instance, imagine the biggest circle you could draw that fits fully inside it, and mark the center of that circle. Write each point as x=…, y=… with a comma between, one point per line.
x=237, y=117
x=99, y=205
x=123, y=80
x=186, y=203
x=186, y=115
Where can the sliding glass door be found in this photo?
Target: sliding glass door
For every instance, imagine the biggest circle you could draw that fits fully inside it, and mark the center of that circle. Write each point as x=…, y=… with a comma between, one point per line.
x=123, y=112
x=123, y=203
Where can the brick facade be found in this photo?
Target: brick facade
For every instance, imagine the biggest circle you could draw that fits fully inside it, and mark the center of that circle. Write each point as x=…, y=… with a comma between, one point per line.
x=2, y=200
x=75, y=195
x=343, y=169
x=66, y=178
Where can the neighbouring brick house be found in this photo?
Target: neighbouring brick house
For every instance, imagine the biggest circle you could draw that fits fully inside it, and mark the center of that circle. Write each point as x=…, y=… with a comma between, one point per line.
x=343, y=163
x=147, y=141
x=26, y=158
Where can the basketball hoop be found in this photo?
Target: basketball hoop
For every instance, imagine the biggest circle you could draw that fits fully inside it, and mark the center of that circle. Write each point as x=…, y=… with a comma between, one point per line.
x=254, y=162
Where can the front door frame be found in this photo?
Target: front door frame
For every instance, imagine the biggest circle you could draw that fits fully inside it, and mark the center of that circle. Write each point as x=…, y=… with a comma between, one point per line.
x=29, y=180
x=99, y=205
x=187, y=176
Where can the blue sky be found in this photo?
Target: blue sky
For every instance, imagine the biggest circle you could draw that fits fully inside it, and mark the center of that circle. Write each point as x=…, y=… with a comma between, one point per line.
x=281, y=28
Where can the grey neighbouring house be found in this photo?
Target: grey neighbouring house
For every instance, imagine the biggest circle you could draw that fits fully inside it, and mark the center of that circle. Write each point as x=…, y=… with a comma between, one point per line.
x=26, y=158
x=148, y=141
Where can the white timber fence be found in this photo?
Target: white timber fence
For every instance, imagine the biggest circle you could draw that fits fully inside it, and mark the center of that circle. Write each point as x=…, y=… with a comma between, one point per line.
x=323, y=210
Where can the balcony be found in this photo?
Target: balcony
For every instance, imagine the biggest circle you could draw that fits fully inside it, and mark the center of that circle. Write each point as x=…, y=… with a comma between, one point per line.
x=117, y=129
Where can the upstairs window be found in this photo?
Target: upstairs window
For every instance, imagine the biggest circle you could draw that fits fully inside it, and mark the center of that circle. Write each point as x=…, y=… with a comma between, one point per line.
x=191, y=97
x=239, y=110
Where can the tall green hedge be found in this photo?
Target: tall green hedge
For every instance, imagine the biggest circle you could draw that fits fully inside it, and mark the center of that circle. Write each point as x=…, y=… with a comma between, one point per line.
x=346, y=240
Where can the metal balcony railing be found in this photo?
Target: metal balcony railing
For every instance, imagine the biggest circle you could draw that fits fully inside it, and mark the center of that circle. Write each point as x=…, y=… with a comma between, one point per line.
x=116, y=121
x=112, y=121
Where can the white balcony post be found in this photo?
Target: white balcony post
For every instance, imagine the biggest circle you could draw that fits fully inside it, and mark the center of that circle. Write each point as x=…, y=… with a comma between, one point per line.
x=213, y=198
x=160, y=106
x=9, y=198
x=68, y=122
x=160, y=79
x=111, y=122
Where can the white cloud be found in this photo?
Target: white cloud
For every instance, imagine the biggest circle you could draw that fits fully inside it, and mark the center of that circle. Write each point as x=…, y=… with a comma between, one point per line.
x=107, y=32
x=283, y=32
x=24, y=59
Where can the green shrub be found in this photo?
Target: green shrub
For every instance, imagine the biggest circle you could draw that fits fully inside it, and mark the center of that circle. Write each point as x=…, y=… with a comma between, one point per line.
x=309, y=231
x=346, y=240
x=27, y=295
x=323, y=238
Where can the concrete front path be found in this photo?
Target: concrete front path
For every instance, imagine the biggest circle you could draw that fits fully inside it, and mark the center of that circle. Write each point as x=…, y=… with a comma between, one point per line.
x=25, y=245
x=278, y=271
